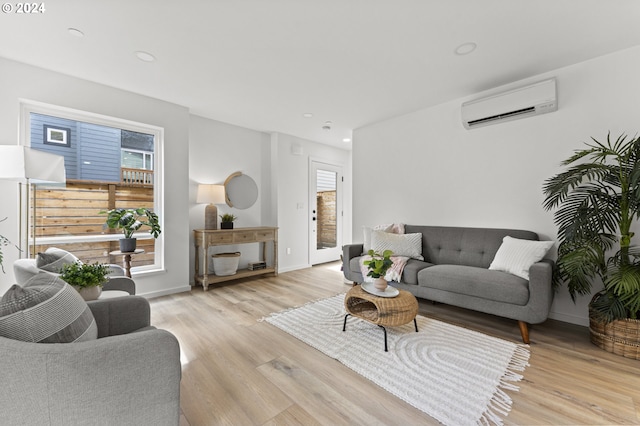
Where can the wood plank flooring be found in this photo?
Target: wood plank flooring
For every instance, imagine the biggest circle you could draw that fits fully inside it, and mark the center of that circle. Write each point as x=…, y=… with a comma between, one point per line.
x=238, y=370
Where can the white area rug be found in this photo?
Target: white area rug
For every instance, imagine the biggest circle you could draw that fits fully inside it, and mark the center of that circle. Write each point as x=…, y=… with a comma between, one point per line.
x=455, y=375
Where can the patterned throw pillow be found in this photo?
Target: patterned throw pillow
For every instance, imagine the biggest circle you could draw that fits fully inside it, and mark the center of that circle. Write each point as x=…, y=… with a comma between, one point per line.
x=516, y=256
x=46, y=310
x=409, y=245
x=395, y=228
x=54, y=259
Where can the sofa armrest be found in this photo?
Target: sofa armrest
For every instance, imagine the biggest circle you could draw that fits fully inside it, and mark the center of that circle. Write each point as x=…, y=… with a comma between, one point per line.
x=120, y=315
x=116, y=270
x=128, y=379
x=120, y=283
x=540, y=290
x=350, y=251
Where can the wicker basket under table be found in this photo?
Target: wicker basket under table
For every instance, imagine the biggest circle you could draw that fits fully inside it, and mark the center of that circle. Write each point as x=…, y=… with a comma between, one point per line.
x=382, y=311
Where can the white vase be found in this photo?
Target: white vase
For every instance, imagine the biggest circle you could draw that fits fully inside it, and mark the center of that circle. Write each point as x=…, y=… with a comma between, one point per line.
x=380, y=284
x=89, y=293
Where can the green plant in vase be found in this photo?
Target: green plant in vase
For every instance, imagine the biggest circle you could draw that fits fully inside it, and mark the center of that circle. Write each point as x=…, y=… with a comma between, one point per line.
x=597, y=200
x=378, y=266
x=86, y=278
x=226, y=221
x=130, y=220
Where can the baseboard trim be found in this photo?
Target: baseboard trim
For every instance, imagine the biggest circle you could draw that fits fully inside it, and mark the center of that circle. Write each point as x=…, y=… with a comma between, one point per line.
x=153, y=294
x=572, y=319
x=293, y=268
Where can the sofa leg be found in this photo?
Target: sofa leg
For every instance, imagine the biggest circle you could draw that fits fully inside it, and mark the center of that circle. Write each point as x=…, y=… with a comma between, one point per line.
x=524, y=331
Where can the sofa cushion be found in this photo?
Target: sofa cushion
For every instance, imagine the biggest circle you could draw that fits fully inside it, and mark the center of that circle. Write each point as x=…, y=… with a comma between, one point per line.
x=516, y=256
x=46, y=310
x=478, y=282
x=409, y=245
x=411, y=269
x=53, y=259
x=464, y=246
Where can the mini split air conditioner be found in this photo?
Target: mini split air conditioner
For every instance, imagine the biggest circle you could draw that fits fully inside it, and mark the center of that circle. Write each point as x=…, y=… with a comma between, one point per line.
x=534, y=99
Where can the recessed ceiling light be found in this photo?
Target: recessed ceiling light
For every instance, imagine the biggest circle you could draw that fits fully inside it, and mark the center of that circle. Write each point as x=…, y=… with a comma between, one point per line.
x=465, y=48
x=307, y=115
x=346, y=140
x=145, y=56
x=75, y=32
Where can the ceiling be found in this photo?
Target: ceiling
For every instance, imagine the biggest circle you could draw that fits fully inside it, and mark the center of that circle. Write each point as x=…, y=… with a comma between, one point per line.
x=262, y=64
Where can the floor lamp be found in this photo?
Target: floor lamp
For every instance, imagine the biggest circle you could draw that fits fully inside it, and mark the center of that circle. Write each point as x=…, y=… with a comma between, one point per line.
x=210, y=195
x=29, y=166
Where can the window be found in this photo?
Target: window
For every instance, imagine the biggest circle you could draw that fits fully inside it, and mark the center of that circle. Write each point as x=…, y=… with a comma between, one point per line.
x=110, y=163
x=137, y=159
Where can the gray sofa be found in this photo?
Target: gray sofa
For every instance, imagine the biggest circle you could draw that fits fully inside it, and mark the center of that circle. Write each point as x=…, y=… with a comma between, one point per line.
x=130, y=375
x=455, y=271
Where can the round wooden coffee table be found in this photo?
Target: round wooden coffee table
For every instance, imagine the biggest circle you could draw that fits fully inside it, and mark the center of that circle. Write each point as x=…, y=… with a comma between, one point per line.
x=382, y=311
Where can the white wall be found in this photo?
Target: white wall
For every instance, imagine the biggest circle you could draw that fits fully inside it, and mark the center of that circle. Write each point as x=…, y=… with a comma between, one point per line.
x=425, y=168
x=216, y=150
x=20, y=81
x=291, y=182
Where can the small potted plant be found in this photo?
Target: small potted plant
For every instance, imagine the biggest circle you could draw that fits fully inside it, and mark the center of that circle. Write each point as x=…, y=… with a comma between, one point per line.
x=378, y=266
x=226, y=221
x=86, y=278
x=130, y=220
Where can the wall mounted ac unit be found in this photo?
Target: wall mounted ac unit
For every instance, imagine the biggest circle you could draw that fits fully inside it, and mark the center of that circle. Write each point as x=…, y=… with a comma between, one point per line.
x=534, y=99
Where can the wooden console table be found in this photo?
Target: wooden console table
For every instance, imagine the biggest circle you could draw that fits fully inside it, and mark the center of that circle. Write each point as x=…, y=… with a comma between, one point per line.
x=205, y=238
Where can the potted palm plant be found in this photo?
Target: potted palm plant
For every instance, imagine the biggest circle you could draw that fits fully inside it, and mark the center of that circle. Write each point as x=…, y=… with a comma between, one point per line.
x=378, y=265
x=86, y=278
x=596, y=202
x=130, y=220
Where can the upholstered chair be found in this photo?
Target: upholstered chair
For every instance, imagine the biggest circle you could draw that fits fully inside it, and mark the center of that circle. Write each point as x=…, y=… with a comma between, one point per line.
x=102, y=363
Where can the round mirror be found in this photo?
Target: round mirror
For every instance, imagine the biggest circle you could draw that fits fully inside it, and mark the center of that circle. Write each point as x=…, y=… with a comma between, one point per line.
x=241, y=191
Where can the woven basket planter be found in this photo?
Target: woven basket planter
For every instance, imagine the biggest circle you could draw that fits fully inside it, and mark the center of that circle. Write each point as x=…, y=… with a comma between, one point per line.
x=225, y=263
x=621, y=337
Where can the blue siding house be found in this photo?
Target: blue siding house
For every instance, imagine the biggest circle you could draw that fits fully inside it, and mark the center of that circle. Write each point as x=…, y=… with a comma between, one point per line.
x=91, y=152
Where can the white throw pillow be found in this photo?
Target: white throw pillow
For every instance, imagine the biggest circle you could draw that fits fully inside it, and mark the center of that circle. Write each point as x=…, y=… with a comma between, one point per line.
x=516, y=256
x=409, y=245
x=367, y=230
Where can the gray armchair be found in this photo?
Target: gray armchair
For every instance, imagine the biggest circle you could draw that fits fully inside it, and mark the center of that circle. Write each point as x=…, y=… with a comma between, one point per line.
x=130, y=375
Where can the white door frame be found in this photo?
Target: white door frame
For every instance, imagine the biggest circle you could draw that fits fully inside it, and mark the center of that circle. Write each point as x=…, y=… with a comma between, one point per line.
x=330, y=254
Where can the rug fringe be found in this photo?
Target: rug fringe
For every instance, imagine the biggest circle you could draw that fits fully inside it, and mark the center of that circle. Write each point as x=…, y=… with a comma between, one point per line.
x=501, y=402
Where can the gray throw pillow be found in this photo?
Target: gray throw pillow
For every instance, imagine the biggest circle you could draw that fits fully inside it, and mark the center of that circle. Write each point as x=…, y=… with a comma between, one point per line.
x=54, y=259
x=46, y=310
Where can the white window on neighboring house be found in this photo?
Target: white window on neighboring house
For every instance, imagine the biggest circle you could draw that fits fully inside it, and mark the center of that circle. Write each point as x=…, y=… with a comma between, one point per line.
x=137, y=159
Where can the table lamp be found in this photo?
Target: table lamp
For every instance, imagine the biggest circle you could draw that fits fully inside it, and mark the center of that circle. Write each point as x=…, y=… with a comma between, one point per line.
x=210, y=195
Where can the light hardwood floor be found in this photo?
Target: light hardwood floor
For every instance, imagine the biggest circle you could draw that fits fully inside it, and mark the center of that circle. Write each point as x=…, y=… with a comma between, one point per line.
x=238, y=370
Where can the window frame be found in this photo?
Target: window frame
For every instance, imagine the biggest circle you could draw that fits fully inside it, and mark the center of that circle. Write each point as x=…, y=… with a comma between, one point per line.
x=28, y=106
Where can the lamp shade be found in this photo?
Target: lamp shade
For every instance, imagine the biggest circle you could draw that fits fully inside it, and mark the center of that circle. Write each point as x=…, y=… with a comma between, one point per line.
x=21, y=163
x=210, y=194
